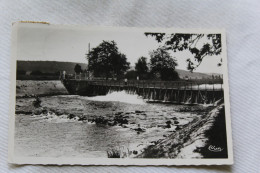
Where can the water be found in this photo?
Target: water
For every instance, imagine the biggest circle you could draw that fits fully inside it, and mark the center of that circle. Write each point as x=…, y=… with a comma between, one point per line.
x=120, y=96
x=53, y=134
x=204, y=87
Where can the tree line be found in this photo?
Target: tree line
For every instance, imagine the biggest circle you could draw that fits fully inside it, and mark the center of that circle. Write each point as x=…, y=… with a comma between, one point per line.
x=106, y=61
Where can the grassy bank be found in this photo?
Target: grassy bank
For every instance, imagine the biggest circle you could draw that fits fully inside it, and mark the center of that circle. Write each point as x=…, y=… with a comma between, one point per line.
x=31, y=88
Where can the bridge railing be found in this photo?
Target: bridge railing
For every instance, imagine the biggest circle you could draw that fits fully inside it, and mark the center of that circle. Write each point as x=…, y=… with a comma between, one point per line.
x=199, y=84
x=192, y=85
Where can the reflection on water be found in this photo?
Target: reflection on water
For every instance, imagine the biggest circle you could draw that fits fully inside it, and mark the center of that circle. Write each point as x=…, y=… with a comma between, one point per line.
x=48, y=134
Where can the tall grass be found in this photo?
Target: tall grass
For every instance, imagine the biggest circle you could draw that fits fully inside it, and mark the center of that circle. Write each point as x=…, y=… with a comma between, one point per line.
x=119, y=152
x=113, y=153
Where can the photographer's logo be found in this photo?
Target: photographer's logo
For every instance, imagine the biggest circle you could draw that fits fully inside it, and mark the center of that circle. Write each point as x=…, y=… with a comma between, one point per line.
x=214, y=148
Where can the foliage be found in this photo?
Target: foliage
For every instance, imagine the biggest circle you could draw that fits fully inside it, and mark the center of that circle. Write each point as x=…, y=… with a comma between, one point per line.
x=169, y=74
x=162, y=65
x=77, y=69
x=131, y=74
x=199, y=45
x=106, y=61
x=141, y=67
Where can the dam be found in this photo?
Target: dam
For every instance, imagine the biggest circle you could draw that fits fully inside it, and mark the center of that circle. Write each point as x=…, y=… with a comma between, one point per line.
x=179, y=92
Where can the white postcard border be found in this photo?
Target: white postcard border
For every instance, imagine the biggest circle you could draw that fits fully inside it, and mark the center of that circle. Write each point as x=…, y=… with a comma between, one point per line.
x=120, y=161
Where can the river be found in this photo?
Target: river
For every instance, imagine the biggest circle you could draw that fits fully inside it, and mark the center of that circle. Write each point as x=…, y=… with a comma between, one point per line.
x=56, y=128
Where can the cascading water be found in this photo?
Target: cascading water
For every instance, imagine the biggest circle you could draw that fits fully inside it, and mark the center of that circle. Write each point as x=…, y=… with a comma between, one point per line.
x=119, y=96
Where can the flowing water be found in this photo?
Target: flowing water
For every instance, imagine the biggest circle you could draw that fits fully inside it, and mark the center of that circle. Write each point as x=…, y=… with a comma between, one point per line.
x=52, y=134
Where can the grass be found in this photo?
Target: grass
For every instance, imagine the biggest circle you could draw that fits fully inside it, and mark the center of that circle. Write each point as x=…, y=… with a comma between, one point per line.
x=119, y=152
x=113, y=153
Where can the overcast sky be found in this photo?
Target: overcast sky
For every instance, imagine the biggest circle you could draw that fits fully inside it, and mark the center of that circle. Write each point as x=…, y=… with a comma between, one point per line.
x=57, y=43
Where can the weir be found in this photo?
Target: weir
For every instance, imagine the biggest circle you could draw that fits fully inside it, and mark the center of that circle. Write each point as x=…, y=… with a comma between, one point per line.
x=183, y=92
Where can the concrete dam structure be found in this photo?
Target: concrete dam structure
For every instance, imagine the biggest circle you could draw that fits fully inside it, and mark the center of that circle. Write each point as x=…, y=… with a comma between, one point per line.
x=183, y=92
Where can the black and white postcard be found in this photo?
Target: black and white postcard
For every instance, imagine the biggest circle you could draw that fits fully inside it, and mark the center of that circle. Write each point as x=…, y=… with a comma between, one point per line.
x=83, y=95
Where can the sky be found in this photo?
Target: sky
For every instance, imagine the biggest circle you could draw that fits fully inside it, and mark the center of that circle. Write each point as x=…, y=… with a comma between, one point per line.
x=70, y=44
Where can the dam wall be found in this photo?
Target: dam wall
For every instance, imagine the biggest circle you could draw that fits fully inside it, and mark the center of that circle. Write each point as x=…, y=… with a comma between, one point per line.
x=174, y=92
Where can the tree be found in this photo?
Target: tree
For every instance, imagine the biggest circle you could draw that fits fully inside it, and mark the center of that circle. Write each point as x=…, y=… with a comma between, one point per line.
x=131, y=74
x=77, y=69
x=199, y=45
x=106, y=61
x=141, y=67
x=162, y=65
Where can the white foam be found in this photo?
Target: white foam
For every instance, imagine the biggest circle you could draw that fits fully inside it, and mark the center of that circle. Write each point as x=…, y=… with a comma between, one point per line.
x=120, y=96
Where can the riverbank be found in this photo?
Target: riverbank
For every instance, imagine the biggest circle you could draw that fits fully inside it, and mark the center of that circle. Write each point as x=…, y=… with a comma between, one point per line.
x=205, y=138
x=32, y=88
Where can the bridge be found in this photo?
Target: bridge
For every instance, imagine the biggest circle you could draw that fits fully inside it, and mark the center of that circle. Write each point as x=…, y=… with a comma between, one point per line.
x=180, y=92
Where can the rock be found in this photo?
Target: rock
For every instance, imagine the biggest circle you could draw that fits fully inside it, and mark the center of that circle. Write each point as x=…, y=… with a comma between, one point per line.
x=44, y=111
x=24, y=112
x=160, y=125
x=91, y=120
x=37, y=111
x=176, y=122
x=59, y=112
x=168, y=124
x=120, y=120
x=174, y=118
x=110, y=123
x=138, y=112
x=178, y=128
x=37, y=102
x=135, y=152
x=118, y=113
x=71, y=116
x=100, y=120
x=82, y=118
x=52, y=110
x=139, y=129
x=154, y=142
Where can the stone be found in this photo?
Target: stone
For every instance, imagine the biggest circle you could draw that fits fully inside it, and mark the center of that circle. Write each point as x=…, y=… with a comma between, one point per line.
x=135, y=152
x=71, y=116
x=174, y=118
x=37, y=112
